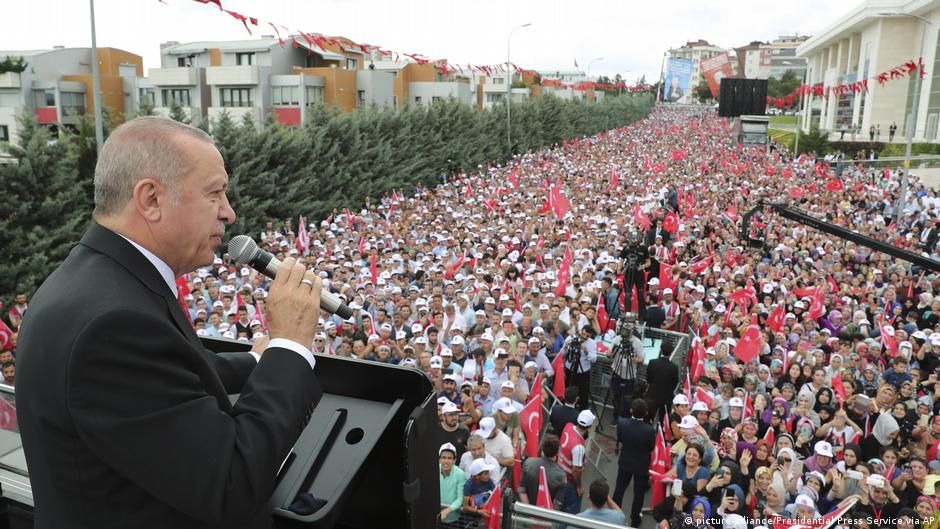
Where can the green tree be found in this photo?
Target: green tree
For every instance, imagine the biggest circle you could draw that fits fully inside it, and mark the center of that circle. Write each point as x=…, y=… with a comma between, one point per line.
x=815, y=141
x=784, y=86
x=145, y=108
x=46, y=207
x=702, y=92
x=177, y=112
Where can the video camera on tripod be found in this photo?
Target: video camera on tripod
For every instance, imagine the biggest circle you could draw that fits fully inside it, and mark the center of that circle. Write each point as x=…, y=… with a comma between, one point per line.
x=622, y=352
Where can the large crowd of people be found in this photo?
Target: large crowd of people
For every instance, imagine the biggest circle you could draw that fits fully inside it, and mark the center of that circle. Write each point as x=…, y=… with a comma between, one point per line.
x=482, y=281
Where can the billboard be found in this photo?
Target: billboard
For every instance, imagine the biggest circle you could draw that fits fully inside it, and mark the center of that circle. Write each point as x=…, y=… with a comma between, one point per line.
x=676, y=83
x=715, y=69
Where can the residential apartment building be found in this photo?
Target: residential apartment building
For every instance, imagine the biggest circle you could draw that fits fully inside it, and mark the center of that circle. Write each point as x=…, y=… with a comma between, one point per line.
x=876, y=36
x=421, y=84
x=761, y=60
x=258, y=77
x=56, y=86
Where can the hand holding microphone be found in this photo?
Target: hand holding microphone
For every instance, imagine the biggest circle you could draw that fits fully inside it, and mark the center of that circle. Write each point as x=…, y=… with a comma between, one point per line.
x=294, y=303
x=245, y=251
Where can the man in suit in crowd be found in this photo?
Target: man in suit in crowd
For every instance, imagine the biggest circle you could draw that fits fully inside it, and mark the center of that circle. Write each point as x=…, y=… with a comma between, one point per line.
x=662, y=376
x=635, y=438
x=565, y=412
x=125, y=417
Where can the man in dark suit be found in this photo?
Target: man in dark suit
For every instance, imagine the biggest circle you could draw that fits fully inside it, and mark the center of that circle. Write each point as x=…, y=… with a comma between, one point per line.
x=125, y=418
x=635, y=438
x=565, y=412
x=663, y=377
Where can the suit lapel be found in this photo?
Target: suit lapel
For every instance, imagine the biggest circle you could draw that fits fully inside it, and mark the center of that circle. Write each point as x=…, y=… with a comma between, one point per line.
x=113, y=245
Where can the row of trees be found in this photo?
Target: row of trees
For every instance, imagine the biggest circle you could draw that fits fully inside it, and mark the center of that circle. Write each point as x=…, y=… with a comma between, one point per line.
x=333, y=160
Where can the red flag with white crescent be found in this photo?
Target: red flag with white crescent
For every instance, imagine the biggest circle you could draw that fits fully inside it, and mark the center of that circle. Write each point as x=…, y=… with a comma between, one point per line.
x=530, y=420
x=558, y=386
x=493, y=509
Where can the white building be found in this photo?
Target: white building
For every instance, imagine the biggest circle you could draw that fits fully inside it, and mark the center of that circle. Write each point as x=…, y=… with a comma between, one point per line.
x=874, y=37
x=696, y=51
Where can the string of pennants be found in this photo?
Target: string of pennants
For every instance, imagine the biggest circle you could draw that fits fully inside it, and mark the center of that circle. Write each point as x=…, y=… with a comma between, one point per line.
x=446, y=67
x=902, y=71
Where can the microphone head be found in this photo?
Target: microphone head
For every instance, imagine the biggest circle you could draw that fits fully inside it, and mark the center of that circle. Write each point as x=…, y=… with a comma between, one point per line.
x=242, y=249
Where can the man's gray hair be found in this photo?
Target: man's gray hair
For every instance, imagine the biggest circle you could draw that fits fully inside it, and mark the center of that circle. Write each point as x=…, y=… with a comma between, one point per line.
x=141, y=148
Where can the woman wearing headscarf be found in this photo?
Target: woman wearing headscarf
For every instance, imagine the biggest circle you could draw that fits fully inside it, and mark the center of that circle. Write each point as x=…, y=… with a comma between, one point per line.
x=728, y=445
x=823, y=398
x=833, y=322
x=781, y=407
x=926, y=508
x=757, y=492
x=883, y=433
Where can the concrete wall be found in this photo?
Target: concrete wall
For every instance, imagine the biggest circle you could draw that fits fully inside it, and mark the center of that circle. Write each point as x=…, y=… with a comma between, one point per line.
x=378, y=86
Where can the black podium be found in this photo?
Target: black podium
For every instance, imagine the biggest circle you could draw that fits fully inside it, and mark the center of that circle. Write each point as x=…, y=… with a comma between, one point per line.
x=369, y=451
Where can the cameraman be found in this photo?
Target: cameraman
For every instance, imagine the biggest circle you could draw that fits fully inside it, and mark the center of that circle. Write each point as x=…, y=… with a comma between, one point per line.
x=580, y=354
x=626, y=353
x=635, y=260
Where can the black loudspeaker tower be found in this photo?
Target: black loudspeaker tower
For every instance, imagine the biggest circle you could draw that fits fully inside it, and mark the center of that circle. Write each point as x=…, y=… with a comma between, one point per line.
x=742, y=96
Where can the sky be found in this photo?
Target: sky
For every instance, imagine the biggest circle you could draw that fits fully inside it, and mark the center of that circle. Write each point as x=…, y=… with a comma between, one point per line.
x=629, y=37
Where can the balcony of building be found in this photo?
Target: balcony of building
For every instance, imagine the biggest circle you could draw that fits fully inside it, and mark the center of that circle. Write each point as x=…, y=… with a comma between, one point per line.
x=173, y=76
x=233, y=75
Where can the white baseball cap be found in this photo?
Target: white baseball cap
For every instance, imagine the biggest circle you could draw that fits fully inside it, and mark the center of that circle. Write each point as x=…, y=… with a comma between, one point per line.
x=823, y=448
x=487, y=425
x=586, y=418
x=450, y=407
x=504, y=405
x=680, y=400
x=436, y=362
x=699, y=406
x=687, y=423
x=447, y=446
x=736, y=402
x=508, y=384
x=805, y=501
x=667, y=291
x=478, y=466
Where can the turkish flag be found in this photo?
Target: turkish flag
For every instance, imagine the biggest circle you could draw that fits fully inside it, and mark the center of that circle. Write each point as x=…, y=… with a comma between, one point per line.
x=449, y=274
x=775, y=320
x=732, y=213
x=671, y=222
x=704, y=396
x=362, y=245
x=678, y=156
x=748, y=406
x=769, y=436
x=558, y=385
x=748, y=347
x=514, y=177
x=816, y=306
x=602, y=318
x=544, y=499
x=493, y=509
x=641, y=218
x=835, y=185
x=7, y=415
x=837, y=388
x=530, y=420
x=614, y=179
x=889, y=340
x=665, y=277
x=559, y=203
x=698, y=363
x=6, y=335
x=659, y=465
x=536, y=391
x=833, y=286
x=374, y=268
x=703, y=265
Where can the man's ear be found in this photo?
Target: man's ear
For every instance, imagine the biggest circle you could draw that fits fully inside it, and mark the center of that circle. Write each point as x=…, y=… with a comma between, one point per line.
x=147, y=197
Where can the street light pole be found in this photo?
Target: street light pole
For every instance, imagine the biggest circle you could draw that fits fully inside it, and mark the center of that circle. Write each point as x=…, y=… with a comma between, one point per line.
x=509, y=86
x=912, y=120
x=799, y=121
x=96, y=82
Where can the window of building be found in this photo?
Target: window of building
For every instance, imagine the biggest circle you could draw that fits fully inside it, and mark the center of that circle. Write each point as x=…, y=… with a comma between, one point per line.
x=45, y=98
x=436, y=99
x=73, y=103
x=360, y=97
x=493, y=97
x=4, y=133
x=417, y=100
x=179, y=95
x=235, y=97
x=245, y=58
x=498, y=80
x=285, y=96
x=185, y=62
x=352, y=64
x=314, y=95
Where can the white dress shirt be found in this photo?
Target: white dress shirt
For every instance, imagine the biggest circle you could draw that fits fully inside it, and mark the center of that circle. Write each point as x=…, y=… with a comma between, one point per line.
x=168, y=277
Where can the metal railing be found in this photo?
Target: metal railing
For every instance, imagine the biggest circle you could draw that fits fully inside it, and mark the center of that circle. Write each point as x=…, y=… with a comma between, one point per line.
x=523, y=515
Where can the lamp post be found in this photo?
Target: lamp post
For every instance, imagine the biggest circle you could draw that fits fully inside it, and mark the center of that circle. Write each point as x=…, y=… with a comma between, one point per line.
x=912, y=120
x=96, y=82
x=509, y=86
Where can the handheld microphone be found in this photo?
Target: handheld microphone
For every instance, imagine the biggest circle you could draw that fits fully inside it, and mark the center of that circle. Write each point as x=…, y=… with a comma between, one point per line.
x=244, y=250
